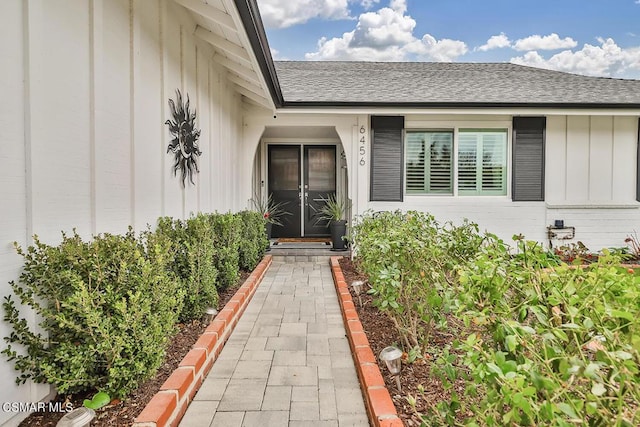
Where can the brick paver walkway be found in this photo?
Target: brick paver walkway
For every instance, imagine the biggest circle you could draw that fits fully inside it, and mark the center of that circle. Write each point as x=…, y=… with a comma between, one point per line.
x=288, y=362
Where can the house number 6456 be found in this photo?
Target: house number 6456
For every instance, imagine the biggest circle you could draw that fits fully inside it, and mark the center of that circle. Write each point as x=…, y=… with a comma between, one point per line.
x=363, y=148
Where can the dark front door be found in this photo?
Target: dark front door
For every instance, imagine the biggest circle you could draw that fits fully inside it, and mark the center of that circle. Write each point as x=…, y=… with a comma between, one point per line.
x=301, y=194
x=285, y=187
x=319, y=185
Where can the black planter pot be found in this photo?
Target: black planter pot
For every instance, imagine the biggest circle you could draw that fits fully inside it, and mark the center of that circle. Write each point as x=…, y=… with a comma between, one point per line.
x=338, y=231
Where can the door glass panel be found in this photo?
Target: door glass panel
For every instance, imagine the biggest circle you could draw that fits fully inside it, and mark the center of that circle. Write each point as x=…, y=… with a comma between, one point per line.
x=284, y=169
x=322, y=169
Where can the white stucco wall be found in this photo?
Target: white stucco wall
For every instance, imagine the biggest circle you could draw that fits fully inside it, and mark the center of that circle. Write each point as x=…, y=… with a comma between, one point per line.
x=84, y=89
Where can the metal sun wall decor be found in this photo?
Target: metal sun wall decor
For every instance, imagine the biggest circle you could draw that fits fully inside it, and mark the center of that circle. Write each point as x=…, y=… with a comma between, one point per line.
x=184, y=145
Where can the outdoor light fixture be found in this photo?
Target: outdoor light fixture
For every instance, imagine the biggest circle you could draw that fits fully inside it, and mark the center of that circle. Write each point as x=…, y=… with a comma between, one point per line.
x=79, y=417
x=209, y=314
x=357, y=286
x=392, y=357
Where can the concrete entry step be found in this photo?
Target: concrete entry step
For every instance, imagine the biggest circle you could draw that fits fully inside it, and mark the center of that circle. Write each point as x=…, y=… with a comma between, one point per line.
x=316, y=252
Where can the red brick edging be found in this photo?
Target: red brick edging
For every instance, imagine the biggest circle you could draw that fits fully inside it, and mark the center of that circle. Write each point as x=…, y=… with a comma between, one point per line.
x=380, y=408
x=169, y=405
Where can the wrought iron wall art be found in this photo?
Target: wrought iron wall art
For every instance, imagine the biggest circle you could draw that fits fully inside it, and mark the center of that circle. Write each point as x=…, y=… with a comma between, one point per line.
x=184, y=144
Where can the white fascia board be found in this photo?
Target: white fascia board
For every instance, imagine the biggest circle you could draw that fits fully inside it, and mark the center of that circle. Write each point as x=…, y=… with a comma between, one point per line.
x=465, y=111
x=244, y=39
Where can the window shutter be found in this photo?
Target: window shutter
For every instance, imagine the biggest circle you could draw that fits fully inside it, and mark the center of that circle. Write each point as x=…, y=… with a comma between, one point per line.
x=528, y=158
x=386, y=158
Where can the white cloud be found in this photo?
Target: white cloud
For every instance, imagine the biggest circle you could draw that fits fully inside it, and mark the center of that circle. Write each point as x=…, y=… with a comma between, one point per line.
x=550, y=42
x=285, y=13
x=368, y=4
x=495, y=42
x=387, y=35
x=443, y=50
x=399, y=6
x=608, y=59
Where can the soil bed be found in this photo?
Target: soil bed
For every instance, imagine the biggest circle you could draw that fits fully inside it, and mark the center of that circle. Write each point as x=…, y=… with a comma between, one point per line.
x=381, y=333
x=122, y=413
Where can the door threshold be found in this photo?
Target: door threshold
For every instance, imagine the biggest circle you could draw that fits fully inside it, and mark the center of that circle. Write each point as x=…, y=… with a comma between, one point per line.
x=326, y=240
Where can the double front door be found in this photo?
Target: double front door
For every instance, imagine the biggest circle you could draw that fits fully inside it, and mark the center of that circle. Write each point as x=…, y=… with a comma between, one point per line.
x=300, y=178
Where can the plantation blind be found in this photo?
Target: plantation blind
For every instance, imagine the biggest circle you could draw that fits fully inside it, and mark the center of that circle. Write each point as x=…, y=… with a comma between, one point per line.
x=429, y=166
x=528, y=158
x=387, y=158
x=482, y=162
x=467, y=160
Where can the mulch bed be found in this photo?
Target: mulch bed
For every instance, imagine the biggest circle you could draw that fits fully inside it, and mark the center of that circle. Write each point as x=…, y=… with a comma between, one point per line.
x=122, y=413
x=381, y=333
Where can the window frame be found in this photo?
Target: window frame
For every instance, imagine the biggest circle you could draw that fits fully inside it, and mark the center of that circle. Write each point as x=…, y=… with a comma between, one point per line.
x=452, y=160
x=456, y=128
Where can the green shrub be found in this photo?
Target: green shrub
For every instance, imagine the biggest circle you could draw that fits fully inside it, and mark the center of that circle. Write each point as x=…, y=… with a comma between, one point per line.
x=107, y=307
x=226, y=230
x=410, y=260
x=253, y=239
x=553, y=347
x=193, y=257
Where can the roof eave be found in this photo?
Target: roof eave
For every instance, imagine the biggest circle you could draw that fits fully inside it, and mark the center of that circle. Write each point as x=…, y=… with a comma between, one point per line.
x=452, y=105
x=250, y=16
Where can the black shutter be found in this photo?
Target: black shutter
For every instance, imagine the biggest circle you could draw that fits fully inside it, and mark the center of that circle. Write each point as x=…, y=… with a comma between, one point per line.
x=528, y=158
x=387, y=158
x=638, y=165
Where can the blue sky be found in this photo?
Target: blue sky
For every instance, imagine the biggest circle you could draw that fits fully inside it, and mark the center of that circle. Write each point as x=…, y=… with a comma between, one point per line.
x=592, y=37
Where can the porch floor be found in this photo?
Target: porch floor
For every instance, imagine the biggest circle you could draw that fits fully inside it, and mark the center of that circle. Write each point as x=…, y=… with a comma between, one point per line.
x=288, y=362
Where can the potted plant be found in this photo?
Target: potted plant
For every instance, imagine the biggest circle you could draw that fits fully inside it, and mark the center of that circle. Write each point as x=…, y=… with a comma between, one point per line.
x=335, y=211
x=271, y=211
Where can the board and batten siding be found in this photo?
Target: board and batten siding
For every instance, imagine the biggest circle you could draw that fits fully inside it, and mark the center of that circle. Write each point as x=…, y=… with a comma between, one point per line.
x=85, y=86
x=590, y=177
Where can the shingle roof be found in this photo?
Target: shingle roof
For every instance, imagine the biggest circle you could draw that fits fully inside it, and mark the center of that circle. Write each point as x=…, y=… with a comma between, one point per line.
x=432, y=84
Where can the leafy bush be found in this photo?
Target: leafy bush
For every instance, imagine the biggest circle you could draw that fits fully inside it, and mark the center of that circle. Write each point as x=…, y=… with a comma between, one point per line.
x=107, y=307
x=555, y=346
x=193, y=257
x=226, y=230
x=410, y=260
x=253, y=239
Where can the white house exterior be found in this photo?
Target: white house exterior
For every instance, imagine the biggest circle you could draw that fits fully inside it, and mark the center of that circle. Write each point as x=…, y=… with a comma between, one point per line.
x=581, y=169
x=85, y=85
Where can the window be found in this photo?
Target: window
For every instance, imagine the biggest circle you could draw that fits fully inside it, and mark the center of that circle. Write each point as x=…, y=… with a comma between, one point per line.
x=479, y=165
x=429, y=162
x=482, y=162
